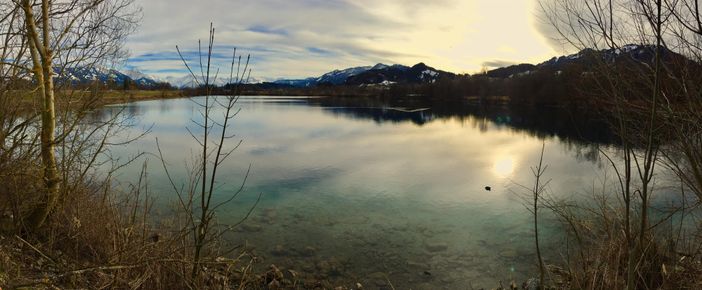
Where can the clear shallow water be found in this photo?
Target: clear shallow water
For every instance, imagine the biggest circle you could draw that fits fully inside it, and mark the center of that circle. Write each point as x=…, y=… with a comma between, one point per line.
x=358, y=193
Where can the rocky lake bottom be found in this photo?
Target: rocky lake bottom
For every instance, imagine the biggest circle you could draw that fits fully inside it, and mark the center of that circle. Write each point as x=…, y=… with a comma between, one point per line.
x=379, y=253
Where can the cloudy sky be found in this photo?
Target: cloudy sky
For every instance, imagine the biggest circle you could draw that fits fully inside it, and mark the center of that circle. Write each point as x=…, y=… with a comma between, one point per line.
x=301, y=38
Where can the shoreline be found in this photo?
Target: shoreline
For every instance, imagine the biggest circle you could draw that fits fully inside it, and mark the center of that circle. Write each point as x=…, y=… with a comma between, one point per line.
x=76, y=99
x=122, y=97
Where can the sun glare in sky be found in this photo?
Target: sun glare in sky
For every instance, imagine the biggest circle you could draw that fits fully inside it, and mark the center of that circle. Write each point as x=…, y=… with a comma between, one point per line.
x=306, y=38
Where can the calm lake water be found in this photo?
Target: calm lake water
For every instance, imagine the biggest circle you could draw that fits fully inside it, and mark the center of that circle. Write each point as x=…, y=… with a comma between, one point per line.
x=363, y=192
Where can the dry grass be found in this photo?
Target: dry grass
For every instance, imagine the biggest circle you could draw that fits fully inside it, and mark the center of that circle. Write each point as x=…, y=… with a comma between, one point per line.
x=73, y=97
x=597, y=251
x=96, y=238
x=117, y=96
x=90, y=243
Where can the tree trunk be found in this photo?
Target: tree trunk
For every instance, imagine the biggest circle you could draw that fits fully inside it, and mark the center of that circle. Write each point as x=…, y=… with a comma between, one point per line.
x=42, y=59
x=48, y=151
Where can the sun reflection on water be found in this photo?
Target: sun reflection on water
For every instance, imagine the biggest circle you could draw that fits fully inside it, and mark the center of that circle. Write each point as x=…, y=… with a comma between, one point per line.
x=504, y=166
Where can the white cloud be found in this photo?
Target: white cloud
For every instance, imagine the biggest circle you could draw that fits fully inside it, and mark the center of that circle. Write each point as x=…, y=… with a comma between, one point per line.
x=309, y=37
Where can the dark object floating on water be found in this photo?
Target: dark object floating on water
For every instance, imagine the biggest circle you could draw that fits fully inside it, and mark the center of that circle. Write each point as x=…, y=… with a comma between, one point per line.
x=488, y=188
x=427, y=273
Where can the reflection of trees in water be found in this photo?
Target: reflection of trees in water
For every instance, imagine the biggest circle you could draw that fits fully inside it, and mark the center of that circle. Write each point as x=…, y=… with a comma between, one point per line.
x=583, y=151
x=583, y=132
x=481, y=123
x=540, y=122
x=383, y=114
x=134, y=109
x=165, y=106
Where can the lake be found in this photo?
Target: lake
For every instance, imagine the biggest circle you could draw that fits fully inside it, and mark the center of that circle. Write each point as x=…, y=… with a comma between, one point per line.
x=361, y=192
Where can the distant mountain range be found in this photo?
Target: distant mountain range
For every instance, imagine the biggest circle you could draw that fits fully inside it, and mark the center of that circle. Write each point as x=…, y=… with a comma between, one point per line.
x=628, y=54
x=88, y=75
x=379, y=74
x=187, y=81
x=382, y=74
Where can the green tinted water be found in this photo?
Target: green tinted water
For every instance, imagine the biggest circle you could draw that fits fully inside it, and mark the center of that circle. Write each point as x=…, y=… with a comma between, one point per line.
x=356, y=194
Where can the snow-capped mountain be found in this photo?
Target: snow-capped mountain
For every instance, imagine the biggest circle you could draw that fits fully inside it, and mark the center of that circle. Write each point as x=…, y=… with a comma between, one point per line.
x=511, y=71
x=141, y=78
x=419, y=73
x=90, y=74
x=627, y=55
x=379, y=66
x=308, y=82
x=635, y=52
x=336, y=77
x=135, y=74
x=86, y=75
x=379, y=74
x=187, y=81
x=339, y=77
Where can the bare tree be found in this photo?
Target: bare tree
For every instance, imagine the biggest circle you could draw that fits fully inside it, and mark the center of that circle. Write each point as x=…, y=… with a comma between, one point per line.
x=537, y=192
x=653, y=102
x=47, y=37
x=196, y=199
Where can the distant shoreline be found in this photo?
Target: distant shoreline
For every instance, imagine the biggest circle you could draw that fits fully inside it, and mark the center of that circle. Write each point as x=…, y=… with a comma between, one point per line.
x=106, y=97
